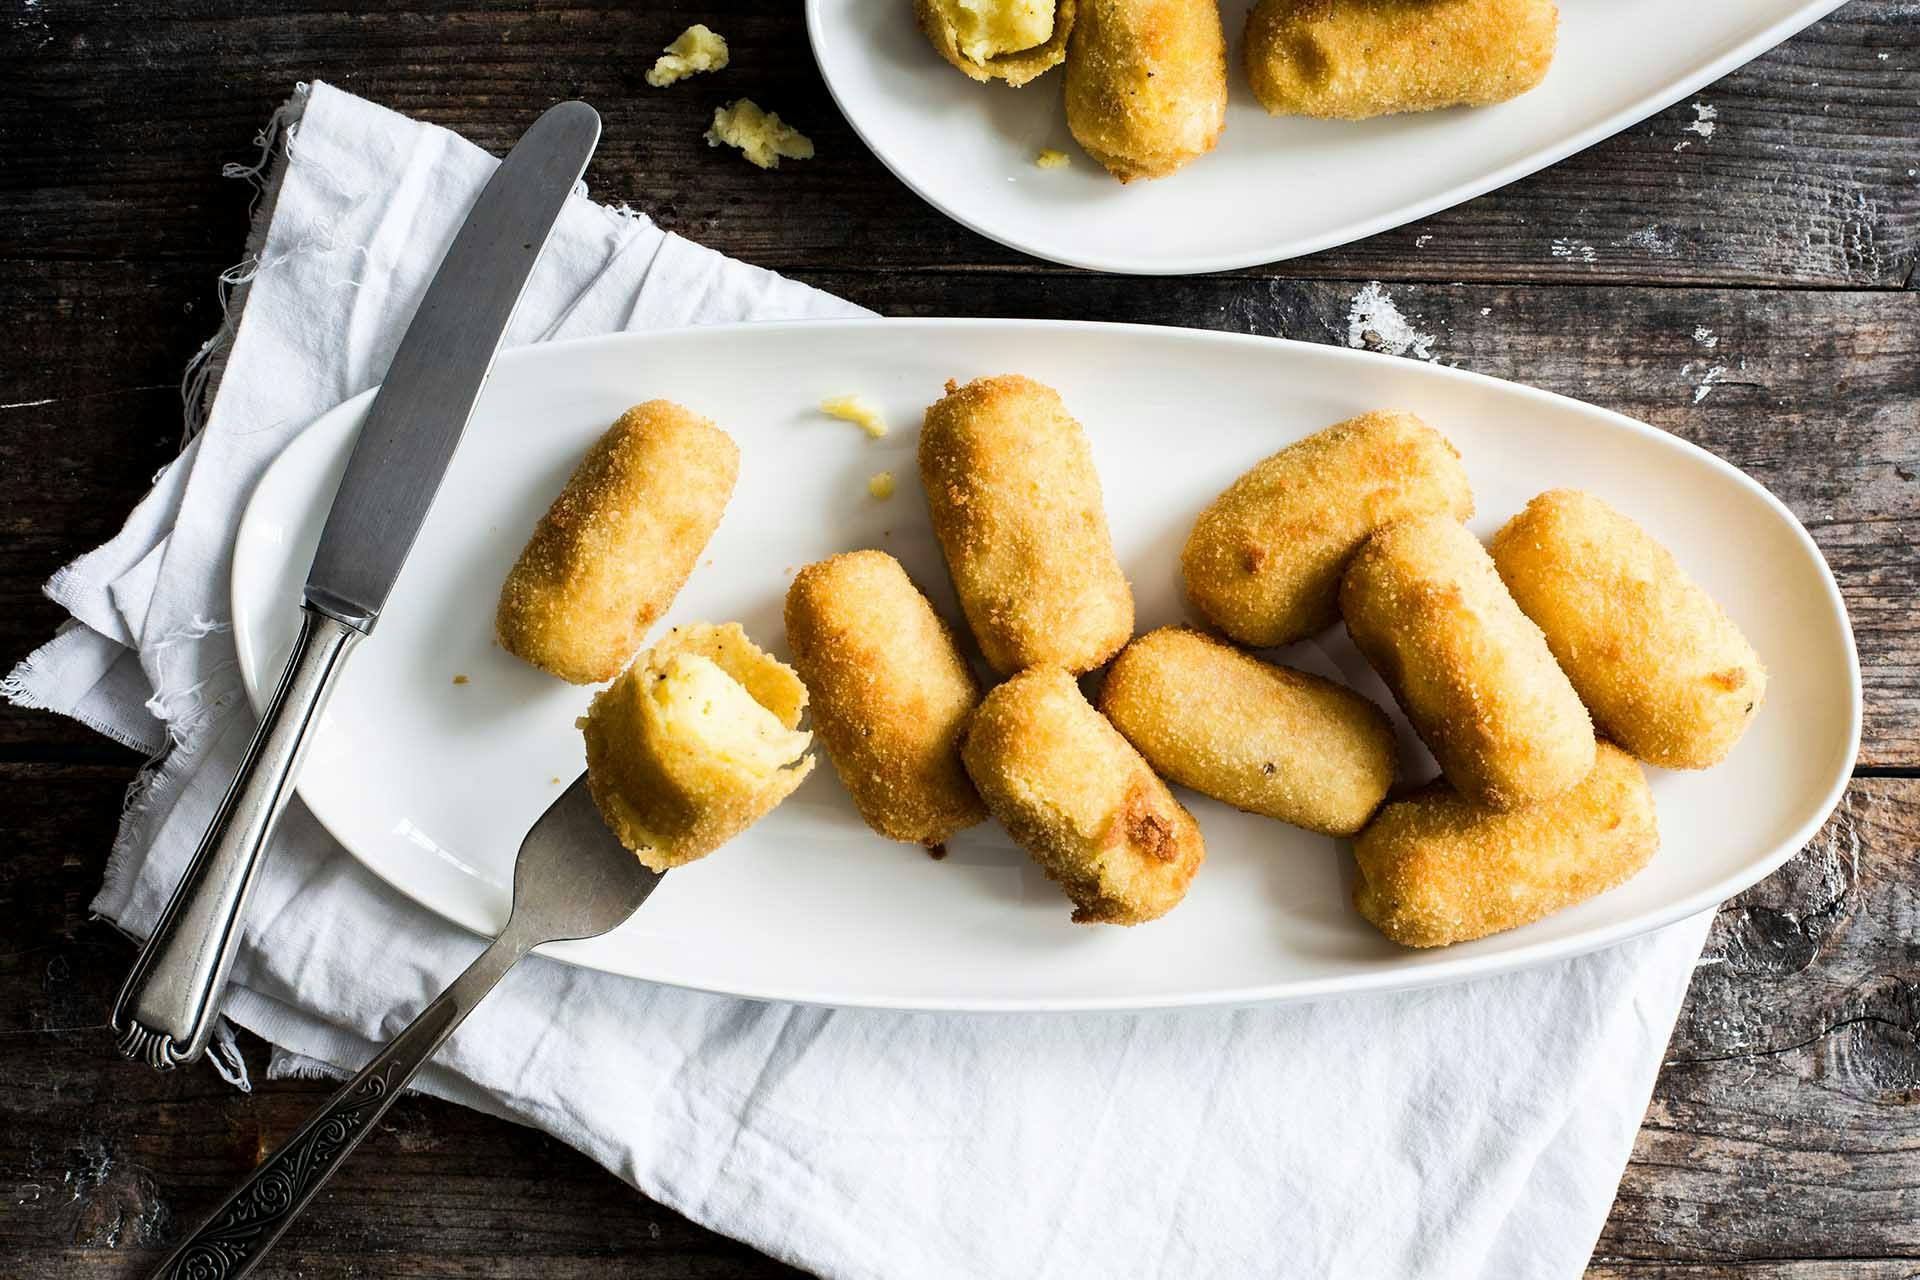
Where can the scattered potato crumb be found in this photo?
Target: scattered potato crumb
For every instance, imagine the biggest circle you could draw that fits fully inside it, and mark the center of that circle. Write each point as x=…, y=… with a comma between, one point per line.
x=856, y=410
x=554, y=780
x=762, y=136
x=881, y=486
x=697, y=49
x=1051, y=159
x=459, y=679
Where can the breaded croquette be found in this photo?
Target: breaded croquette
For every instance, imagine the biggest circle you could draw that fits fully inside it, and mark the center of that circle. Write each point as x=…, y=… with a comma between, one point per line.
x=1424, y=604
x=1147, y=83
x=617, y=545
x=1016, y=505
x=1011, y=40
x=1437, y=868
x=695, y=743
x=1662, y=668
x=1263, y=562
x=1081, y=801
x=1259, y=737
x=890, y=694
x=1352, y=59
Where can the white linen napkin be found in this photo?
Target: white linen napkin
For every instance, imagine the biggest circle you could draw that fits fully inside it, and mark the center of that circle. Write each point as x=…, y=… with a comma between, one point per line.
x=1470, y=1130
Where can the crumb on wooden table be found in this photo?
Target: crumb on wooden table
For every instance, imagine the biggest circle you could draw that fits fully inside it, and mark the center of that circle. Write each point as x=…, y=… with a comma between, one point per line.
x=697, y=49
x=762, y=137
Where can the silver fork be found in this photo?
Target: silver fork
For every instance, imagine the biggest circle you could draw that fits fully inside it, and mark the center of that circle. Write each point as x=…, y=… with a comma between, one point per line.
x=572, y=879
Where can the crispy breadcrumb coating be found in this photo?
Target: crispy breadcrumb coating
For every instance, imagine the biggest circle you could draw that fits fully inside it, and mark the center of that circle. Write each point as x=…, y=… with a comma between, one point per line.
x=694, y=743
x=1436, y=868
x=1081, y=801
x=1662, y=668
x=1016, y=505
x=1424, y=604
x=1147, y=83
x=617, y=545
x=1264, y=560
x=1352, y=59
x=891, y=694
x=1262, y=738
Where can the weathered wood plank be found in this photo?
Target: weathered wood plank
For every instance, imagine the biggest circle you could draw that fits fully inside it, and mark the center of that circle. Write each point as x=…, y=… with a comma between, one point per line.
x=1787, y=1117
x=1769, y=1269
x=1815, y=393
x=1805, y=181
x=89, y=410
x=1783, y=1127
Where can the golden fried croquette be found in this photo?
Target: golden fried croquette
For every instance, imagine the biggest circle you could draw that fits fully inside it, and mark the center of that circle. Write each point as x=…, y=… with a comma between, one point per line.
x=1146, y=83
x=1016, y=505
x=1011, y=40
x=695, y=743
x=890, y=694
x=1262, y=738
x=1081, y=801
x=1423, y=603
x=1436, y=868
x=1263, y=562
x=1662, y=668
x=617, y=545
x=1351, y=59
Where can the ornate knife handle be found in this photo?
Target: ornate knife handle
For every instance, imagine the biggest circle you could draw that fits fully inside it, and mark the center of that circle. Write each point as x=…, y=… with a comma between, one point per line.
x=166, y=1010
x=239, y=1233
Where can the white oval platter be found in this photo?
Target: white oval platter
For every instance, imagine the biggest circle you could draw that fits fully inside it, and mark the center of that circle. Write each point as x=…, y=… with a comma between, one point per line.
x=431, y=783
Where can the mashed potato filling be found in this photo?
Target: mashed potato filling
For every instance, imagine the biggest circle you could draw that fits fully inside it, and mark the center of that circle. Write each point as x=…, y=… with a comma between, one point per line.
x=698, y=48
x=988, y=28
x=708, y=711
x=856, y=410
x=762, y=137
x=695, y=742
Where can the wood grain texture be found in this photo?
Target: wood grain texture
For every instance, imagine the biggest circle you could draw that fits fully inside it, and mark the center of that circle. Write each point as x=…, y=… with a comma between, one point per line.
x=1804, y=182
x=1753, y=292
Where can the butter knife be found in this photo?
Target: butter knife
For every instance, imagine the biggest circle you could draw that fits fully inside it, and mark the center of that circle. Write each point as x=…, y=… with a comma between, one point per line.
x=166, y=1011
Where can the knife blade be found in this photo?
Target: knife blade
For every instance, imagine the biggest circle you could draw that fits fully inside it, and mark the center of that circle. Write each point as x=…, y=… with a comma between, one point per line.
x=421, y=410
x=166, y=1011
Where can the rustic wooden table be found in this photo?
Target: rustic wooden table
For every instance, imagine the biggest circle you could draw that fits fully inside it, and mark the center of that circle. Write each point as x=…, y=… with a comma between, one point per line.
x=1752, y=290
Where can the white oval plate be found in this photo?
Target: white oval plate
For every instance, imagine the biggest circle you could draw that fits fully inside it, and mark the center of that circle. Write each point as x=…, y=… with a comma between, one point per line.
x=432, y=784
x=1274, y=188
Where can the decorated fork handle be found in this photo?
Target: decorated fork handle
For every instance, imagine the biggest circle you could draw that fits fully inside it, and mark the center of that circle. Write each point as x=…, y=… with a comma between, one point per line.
x=231, y=1242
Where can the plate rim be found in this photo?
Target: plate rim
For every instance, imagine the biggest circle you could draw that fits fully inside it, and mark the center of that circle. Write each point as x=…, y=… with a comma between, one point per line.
x=1546, y=157
x=1432, y=974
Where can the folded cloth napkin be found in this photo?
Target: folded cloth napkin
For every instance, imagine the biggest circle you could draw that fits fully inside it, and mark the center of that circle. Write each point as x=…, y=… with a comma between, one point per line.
x=1471, y=1130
